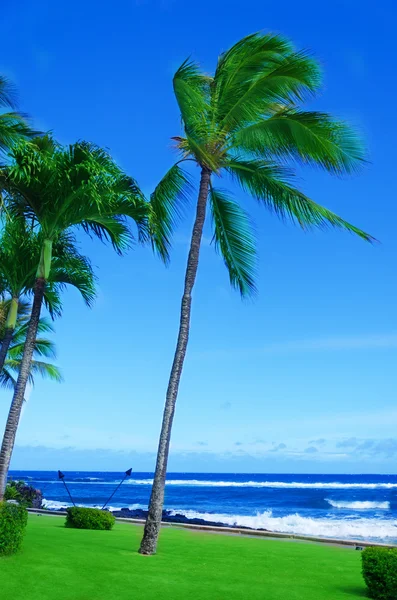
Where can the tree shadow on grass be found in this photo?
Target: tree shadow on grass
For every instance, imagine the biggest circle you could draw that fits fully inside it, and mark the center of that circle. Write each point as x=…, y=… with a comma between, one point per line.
x=355, y=591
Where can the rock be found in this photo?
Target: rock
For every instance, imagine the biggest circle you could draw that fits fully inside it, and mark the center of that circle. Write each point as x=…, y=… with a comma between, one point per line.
x=168, y=517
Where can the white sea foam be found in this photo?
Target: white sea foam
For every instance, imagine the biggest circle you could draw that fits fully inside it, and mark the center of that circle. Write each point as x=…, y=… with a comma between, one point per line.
x=268, y=484
x=334, y=528
x=57, y=505
x=358, y=505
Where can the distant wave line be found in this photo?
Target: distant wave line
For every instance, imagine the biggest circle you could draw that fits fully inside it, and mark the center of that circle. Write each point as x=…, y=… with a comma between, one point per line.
x=253, y=484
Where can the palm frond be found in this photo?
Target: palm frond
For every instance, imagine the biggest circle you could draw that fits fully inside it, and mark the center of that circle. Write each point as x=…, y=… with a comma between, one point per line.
x=192, y=92
x=52, y=300
x=113, y=229
x=166, y=207
x=44, y=326
x=45, y=370
x=270, y=184
x=309, y=137
x=43, y=347
x=7, y=381
x=8, y=93
x=240, y=65
x=13, y=128
x=37, y=367
x=74, y=270
x=289, y=80
x=234, y=238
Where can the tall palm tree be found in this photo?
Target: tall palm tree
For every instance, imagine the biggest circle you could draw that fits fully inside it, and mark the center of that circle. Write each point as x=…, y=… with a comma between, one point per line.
x=244, y=123
x=44, y=348
x=13, y=125
x=60, y=190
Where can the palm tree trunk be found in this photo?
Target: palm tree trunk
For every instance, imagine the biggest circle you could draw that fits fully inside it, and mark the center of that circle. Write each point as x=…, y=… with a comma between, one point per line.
x=19, y=392
x=9, y=331
x=5, y=344
x=153, y=521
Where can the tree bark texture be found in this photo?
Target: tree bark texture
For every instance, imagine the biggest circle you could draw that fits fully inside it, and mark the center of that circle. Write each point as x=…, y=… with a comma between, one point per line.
x=5, y=344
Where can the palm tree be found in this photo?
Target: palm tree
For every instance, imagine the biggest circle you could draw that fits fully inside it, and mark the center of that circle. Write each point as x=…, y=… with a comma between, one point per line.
x=13, y=125
x=244, y=122
x=44, y=348
x=59, y=190
x=20, y=248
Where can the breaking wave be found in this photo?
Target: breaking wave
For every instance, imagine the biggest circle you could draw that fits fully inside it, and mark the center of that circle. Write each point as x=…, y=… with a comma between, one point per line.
x=357, y=505
x=331, y=528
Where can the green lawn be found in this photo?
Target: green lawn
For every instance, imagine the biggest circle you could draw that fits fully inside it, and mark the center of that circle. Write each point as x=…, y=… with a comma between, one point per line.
x=58, y=563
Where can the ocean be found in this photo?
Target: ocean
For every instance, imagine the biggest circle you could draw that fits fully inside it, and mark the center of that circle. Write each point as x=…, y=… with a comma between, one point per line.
x=361, y=507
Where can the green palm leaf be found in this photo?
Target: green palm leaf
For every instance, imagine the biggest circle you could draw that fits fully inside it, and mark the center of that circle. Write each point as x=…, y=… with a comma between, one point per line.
x=43, y=348
x=167, y=204
x=269, y=183
x=45, y=370
x=7, y=381
x=234, y=238
x=8, y=93
x=310, y=137
x=288, y=80
x=191, y=89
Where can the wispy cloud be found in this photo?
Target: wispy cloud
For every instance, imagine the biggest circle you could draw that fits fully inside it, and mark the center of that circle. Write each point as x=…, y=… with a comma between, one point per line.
x=326, y=344
x=319, y=442
x=360, y=342
x=348, y=443
x=279, y=447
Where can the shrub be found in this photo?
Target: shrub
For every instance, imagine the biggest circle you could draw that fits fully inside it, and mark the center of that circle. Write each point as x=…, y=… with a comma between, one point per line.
x=380, y=572
x=25, y=494
x=89, y=518
x=13, y=519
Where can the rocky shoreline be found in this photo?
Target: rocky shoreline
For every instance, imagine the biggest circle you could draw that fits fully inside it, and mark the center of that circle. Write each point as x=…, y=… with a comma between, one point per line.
x=171, y=517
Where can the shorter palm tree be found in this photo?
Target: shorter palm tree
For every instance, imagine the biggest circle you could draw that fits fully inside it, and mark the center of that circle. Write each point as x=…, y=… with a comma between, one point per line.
x=58, y=190
x=44, y=348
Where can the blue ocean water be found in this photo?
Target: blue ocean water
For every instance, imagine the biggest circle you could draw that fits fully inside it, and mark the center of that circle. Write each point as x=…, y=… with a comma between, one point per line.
x=362, y=507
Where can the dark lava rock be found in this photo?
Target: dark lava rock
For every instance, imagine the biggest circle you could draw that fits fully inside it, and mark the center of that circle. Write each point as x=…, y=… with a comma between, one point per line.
x=168, y=517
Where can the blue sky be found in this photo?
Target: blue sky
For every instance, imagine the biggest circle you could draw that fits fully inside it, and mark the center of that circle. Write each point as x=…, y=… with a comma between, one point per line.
x=302, y=379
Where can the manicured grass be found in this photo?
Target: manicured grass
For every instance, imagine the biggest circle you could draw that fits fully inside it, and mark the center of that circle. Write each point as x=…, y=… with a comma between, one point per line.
x=76, y=564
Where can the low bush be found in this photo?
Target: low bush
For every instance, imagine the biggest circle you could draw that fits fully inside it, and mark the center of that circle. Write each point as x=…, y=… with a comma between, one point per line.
x=380, y=572
x=13, y=520
x=25, y=494
x=89, y=518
